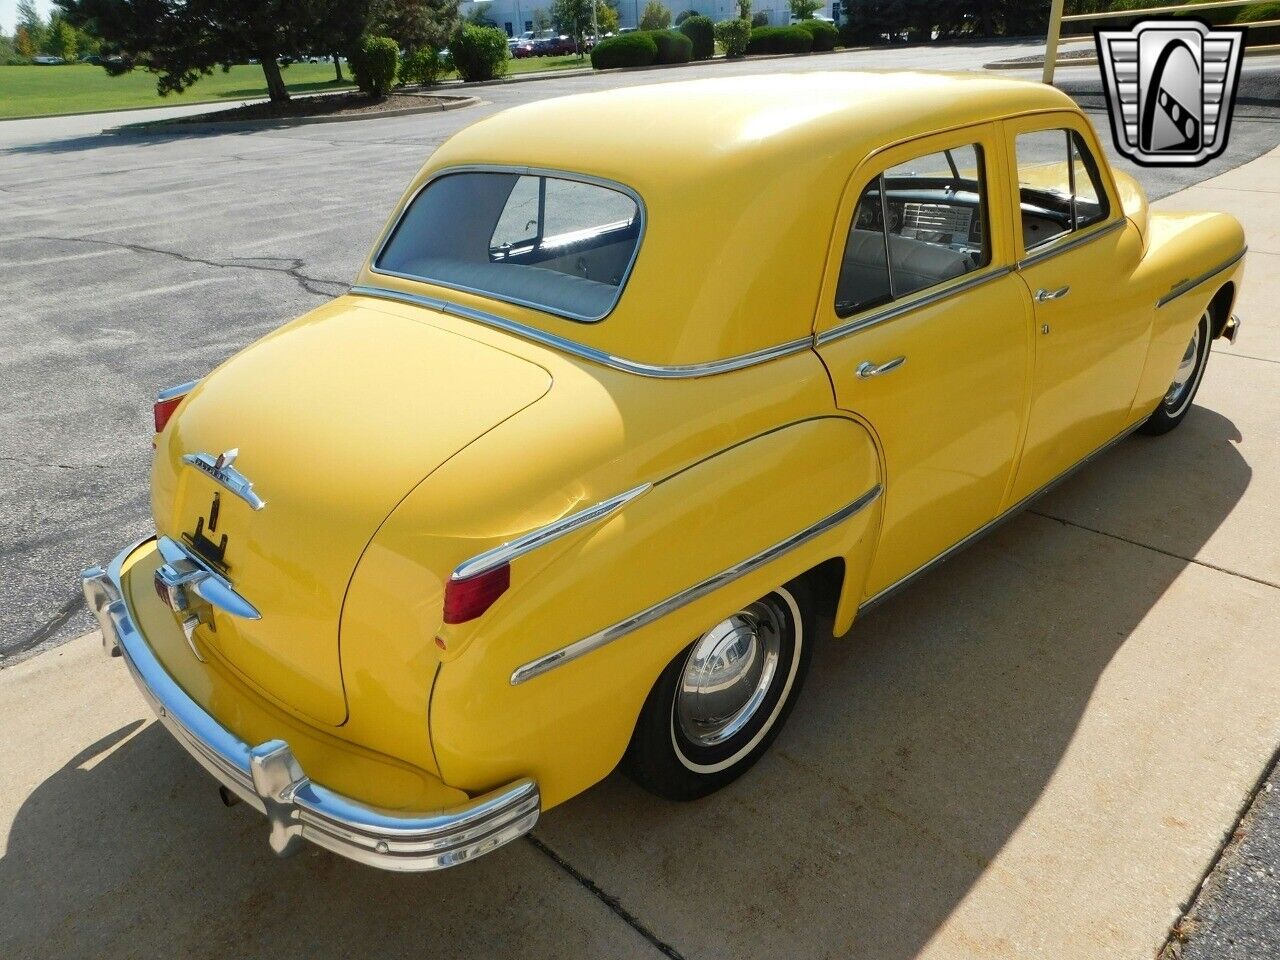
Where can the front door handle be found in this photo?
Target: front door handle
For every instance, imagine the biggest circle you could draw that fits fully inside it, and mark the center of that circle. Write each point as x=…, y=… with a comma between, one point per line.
x=867, y=369
x=1044, y=296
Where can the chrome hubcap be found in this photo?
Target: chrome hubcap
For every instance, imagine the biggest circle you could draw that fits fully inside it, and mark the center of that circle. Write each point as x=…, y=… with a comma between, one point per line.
x=729, y=673
x=1186, y=371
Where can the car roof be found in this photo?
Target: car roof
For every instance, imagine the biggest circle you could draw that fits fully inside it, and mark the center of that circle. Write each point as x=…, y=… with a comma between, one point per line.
x=740, y=178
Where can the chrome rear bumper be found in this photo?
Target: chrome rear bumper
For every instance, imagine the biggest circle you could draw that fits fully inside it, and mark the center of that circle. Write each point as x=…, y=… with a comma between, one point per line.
x=268, y=776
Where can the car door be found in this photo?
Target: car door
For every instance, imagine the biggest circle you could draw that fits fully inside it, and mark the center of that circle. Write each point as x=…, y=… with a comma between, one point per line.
x=925, y=331
x=1077, y=252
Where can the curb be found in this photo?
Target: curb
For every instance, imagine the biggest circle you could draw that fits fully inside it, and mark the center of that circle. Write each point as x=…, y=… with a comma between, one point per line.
x=284, y=123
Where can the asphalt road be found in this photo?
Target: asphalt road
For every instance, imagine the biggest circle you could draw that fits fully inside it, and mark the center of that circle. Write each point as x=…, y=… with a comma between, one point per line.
x=132, y=263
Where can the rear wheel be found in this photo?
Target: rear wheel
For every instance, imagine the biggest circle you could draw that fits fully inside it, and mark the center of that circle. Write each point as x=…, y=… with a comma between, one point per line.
x=1186, y=381
x=718, y=705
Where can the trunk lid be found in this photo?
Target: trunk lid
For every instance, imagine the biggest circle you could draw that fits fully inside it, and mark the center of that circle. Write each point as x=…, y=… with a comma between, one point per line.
x=336, y=417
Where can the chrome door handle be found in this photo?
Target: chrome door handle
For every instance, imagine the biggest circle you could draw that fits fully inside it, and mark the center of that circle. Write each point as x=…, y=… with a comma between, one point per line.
x=1044, y=296
x=867, y=369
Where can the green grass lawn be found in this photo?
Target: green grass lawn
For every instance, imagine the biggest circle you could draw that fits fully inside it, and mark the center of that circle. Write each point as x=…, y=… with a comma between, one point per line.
x=80, y=88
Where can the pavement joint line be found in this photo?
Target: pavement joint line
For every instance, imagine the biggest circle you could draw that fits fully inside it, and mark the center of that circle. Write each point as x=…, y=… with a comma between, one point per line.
x=294, y=272
x=47, y=629
x=1245, y=356
x=1178, y=932
x=1167, y=553
x=607, y=899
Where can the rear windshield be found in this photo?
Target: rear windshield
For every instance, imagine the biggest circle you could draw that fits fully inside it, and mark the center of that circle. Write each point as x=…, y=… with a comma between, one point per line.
x=544, y=241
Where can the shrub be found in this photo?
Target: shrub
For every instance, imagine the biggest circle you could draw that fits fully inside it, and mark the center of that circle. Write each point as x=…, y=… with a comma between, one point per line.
x=825, y=36
x=673, y=46
x=425, y=65
x=702, y=33
x=734, y=36
x=684, y=15
x=656, y=16
x=625, y=50
x=479, y=53
x=780, y=40
x=760, y=20
x=373, y=64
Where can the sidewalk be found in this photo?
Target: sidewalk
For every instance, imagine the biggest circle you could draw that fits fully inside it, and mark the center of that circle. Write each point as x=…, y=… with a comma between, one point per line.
x=1036, y=752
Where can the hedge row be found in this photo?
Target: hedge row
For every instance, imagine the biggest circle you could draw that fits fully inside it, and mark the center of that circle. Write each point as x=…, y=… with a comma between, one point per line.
x=642, y=48
x=696, y=38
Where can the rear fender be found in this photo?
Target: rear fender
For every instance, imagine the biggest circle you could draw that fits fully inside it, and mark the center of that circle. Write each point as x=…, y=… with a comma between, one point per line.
x=569, y=726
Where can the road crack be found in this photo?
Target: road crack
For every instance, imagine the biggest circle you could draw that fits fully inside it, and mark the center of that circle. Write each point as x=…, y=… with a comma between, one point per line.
x=291, y=267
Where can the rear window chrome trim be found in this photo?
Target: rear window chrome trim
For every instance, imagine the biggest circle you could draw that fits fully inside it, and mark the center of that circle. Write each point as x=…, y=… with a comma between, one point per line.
x=1076, y=239
x=542, y=337
x=518, y=171
x=894, y=310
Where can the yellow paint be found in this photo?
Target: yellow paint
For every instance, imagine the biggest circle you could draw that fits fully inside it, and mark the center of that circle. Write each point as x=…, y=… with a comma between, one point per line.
x=391, y=442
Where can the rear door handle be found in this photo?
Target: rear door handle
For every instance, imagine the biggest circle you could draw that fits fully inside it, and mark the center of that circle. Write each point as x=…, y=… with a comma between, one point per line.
x=1044, y=296
x=867, y=369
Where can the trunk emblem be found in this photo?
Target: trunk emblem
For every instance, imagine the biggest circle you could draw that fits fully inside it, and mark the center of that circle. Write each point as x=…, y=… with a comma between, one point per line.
x=221, y=469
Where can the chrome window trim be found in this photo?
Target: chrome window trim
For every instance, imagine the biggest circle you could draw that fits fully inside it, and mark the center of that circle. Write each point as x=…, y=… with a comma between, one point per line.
x=1069, y=241
x=178, y=390
x=897, y=309
x=658, y=610
x=556, y=342
x=990, y=525
x=506, y=552
x=520, y=172
x=1186, y=286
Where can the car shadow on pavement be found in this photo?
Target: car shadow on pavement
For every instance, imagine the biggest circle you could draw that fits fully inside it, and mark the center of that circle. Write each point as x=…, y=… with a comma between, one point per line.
x=919, y=746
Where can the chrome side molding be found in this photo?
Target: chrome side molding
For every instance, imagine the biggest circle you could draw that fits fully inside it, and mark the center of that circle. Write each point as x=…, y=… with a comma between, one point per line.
x=648, y=615
x=506, y=552
x=1186, y=286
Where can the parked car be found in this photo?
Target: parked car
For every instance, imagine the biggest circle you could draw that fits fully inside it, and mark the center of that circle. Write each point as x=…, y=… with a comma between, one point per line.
x=45, y=60
x=604, y=435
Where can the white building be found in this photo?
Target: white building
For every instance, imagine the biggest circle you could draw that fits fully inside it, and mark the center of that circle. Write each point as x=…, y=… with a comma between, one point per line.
x=516, y=16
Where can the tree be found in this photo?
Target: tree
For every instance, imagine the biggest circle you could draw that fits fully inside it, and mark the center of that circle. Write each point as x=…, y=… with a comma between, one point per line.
x=803, y=9
x=182, y=40
x=684, y=15
x=23, y=44
x=64, y=41
x=573, y=18
x=415, y=24
x=656, y=16
x=33, y=25
x=744, y=9
x=541, y=20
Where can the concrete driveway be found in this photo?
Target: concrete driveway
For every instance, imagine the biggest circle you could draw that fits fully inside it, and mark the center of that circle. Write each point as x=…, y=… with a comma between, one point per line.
x=1037, y=751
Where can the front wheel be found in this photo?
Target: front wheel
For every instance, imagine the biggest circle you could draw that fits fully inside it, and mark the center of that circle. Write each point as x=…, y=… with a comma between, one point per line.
x=1186, y=381
x=718, y=705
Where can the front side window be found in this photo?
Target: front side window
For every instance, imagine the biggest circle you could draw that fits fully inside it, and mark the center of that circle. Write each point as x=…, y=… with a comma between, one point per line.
x=545, y=241
x=1059, y=186
x=918, y=224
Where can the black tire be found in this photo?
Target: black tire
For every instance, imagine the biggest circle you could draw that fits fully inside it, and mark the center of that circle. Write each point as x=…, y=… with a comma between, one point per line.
x=666, y=760
x=1175, y=404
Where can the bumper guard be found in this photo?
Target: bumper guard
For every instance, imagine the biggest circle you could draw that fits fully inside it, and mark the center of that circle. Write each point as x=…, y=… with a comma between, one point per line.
x=269, y=777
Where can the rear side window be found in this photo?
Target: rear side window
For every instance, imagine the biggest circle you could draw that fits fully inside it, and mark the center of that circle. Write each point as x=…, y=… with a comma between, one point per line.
x=917, y=225
x=1059, y=186
x=549, y=242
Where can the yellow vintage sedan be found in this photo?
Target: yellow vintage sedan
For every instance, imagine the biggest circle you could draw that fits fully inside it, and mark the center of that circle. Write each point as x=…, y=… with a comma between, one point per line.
x=638, y=392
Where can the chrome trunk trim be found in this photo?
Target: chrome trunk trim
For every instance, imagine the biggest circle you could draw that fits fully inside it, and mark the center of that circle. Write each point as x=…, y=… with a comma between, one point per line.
x=543, y=338
x=1186, y=286
x=269, y=778
x=221, y=471
x=506, y=552
x=648, y=615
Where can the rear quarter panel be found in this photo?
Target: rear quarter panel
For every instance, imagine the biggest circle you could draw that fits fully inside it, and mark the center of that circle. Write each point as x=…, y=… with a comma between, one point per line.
x=570, y=726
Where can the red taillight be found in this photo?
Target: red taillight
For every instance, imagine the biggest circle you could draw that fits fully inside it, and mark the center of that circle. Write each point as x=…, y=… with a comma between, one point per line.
x=163, y=410
x=467, y=599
